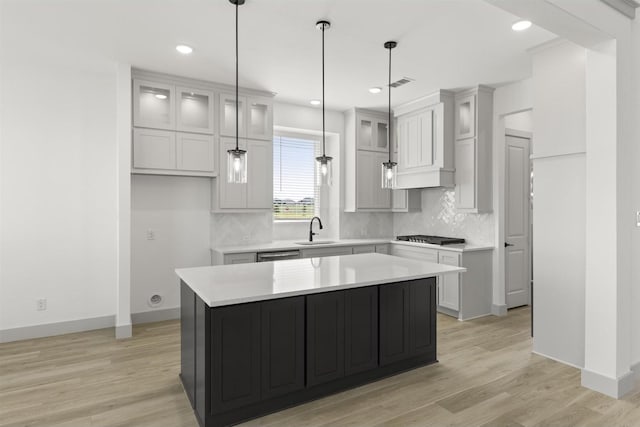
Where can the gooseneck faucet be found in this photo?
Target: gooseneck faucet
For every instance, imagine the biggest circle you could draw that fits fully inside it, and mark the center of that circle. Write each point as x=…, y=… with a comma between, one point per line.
x=311, y=233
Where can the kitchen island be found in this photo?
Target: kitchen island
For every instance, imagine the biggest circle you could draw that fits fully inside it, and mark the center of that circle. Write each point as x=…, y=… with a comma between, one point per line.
x=258, y=338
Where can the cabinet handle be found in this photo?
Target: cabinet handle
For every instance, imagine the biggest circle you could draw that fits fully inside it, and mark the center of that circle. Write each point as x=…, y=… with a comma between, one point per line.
x=506, y=244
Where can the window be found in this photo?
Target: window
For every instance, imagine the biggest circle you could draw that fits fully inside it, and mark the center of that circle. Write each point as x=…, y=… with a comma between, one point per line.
x=295, y=195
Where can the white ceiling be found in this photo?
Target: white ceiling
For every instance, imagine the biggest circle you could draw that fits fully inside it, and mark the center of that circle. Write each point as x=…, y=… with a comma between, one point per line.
x=444, y=44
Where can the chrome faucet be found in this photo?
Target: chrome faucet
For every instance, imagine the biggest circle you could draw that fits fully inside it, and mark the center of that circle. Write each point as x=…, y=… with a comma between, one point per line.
x=311, y=233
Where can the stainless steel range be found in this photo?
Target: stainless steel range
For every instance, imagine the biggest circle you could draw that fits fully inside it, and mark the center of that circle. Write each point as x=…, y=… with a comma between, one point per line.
x=434, y=240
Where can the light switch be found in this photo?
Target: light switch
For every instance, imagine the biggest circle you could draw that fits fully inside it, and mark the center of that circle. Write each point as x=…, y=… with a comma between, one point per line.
x=151, y=235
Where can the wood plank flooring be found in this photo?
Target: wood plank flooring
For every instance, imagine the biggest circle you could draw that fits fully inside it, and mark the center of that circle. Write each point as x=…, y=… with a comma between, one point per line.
x=487, y=376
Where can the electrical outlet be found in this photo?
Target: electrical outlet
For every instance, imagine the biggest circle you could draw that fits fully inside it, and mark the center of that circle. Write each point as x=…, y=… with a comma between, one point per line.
x=41, y=304
x=151, y=235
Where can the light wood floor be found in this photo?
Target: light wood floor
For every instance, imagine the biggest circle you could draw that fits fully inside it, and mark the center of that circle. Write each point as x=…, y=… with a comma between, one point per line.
x=487, y=376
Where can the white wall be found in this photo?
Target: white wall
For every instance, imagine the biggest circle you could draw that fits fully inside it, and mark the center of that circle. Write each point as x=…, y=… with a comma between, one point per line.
x=58, y=173
x=520, y=121
x=559, y=202
x=176, y=209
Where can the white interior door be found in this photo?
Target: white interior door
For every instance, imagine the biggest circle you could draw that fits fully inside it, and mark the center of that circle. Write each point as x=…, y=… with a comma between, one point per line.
x=517, y=190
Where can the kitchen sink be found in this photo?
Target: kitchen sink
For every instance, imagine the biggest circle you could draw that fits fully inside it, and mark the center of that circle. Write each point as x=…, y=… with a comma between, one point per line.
x=317, y=242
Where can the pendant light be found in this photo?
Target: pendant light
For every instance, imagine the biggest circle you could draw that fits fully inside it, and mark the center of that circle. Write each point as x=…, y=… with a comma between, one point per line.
x=323, y=163
x=237, y=158
x=389, y=169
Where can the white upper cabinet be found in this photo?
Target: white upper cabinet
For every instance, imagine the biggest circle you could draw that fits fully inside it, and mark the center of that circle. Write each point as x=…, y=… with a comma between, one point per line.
x=260, y=112
x=372, y=132
x=465, y=116
x=194, y=152
x=255, y=116
x=473, y=125
x=194, y=110
x=228, y=115
x=177, y=123
x=257, y=192
x=153, y=105
x=154, y=149
x=366, y=148
x=425, y=136
x=370, y=194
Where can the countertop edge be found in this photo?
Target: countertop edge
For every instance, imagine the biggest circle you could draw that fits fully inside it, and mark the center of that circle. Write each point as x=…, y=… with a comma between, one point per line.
x=290, y=245
x=258, y=298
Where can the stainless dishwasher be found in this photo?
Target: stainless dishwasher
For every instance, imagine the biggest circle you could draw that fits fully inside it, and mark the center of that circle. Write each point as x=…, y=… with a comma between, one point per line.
x=278, y=255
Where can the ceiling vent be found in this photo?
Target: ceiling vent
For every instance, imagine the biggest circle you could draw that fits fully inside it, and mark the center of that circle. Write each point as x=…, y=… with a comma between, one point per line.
x=402, y=81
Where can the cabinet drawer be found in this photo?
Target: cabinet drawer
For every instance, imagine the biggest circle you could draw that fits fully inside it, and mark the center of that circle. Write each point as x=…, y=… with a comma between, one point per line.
x=365, y=249
x=421, y=254
x=449, y=258
x=320, y=252
x=242, y=258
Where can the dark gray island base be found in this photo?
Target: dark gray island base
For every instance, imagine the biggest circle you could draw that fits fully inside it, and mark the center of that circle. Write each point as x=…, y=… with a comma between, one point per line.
x=247, y=360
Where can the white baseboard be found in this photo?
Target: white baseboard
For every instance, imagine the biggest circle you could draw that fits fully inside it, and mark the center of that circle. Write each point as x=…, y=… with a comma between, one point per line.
x=124, y=331
x=499, y=309
x=155, y=315
x=555, y=359
x=614, y=387
x=59, y=328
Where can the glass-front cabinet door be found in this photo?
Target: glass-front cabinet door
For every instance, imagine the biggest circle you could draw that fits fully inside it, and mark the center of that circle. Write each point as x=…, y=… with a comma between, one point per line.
x=227, y=113
x=194, y=110
x=382, y=136
x=364, y=132
x=153, y=105
x=372, y=133
x=260, y=118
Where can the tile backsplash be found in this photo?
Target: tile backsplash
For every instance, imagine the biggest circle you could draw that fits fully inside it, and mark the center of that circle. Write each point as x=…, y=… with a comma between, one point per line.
x=241, y=228
x=355, y=225
x=440, y=217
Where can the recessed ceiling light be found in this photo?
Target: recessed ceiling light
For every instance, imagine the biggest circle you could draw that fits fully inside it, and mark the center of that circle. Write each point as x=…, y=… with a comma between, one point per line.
x=184, y=49
x=521, y=25
x=375, y=89
x=314, y=102
x=161, y=96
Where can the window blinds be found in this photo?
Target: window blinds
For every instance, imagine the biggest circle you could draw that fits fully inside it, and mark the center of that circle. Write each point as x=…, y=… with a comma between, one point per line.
x=295, y=195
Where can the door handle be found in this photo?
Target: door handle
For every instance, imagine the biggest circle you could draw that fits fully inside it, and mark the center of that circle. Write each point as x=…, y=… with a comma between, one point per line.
x=506, y=244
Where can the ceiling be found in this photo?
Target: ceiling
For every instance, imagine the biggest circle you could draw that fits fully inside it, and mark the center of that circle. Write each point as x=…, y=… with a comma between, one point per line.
x=442, y=44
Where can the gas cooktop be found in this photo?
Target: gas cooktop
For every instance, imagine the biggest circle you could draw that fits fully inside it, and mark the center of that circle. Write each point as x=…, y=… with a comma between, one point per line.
x=434, y=240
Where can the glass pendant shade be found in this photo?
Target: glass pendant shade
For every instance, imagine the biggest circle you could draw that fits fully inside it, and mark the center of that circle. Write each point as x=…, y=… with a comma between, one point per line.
x=324, y=171
x=236, y=166
x=389, y=174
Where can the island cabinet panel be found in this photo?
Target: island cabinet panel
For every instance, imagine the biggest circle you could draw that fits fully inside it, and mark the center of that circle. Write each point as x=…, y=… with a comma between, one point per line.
x=394, y=323
x=235, y=353
x=202, y=338
x=282, y=346
x=325, y=337
x=422, y=323
x=188, y=342
x=361, y=329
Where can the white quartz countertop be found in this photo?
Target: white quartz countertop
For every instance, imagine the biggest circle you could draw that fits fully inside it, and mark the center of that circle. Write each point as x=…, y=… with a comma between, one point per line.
x=286, y=245
x=240, y=283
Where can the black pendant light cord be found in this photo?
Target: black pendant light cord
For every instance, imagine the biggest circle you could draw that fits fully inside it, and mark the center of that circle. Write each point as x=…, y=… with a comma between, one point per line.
x=323, y=134
x=237, y=102
x=389, y=124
